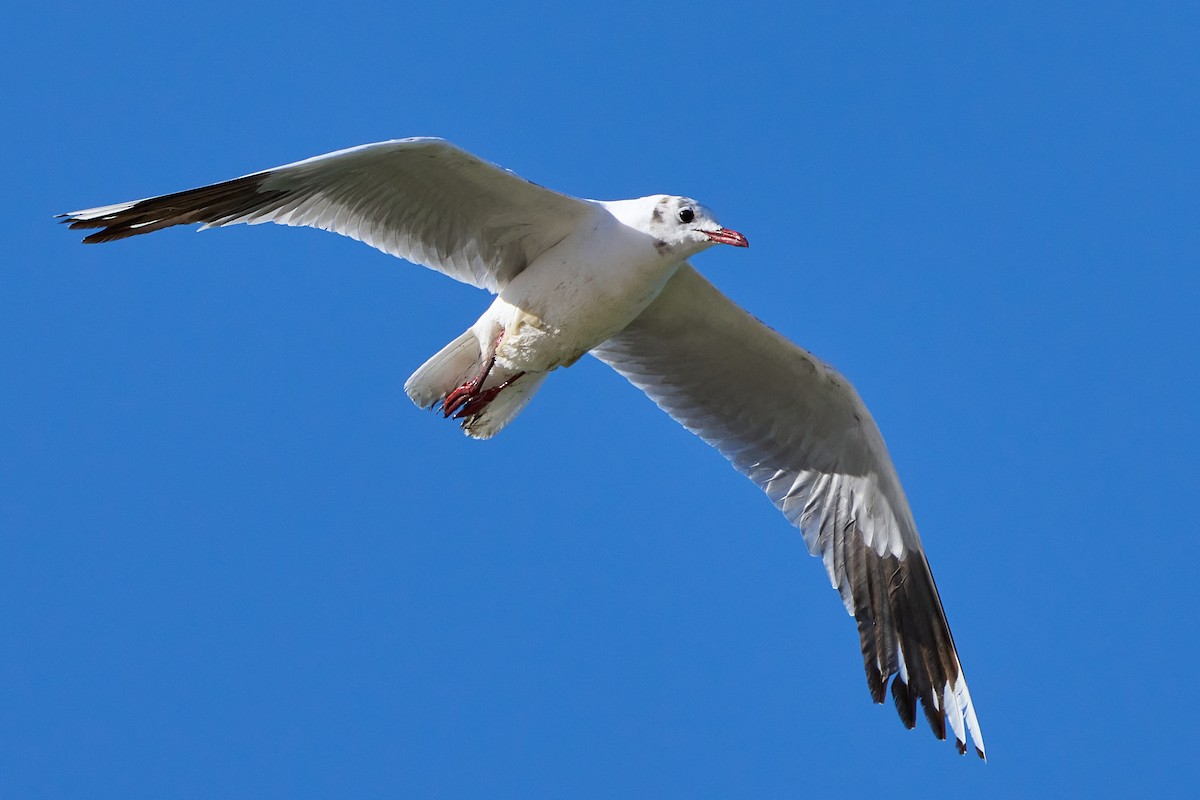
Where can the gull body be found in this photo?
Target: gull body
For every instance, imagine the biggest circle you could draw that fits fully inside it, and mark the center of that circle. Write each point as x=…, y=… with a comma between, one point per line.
x=590, y=285
x=572, y=276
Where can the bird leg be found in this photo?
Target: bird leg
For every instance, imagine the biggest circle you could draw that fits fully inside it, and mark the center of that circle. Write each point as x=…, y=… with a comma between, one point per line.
x=480, y=401
x=468, y=399
x=469, y=390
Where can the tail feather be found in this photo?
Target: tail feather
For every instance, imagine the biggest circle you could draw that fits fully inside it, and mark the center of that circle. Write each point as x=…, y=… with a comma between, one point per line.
x=450, y=367
x=453, y=366
x=501, y=411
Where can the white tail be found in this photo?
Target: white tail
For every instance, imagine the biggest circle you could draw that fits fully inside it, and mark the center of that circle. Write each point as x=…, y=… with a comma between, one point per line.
x=501, y=411
x=453, y=366
x=449, y=368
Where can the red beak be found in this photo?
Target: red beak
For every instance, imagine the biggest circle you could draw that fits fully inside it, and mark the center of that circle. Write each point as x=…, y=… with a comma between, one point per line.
x=726, y=236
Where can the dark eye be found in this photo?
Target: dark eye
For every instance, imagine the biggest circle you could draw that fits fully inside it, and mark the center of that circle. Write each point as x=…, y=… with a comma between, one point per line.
x=686, y=215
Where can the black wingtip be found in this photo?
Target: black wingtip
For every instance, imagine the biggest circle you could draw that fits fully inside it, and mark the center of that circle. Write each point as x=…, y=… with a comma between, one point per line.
x=216, y=204
x=877, y=683
x=903, y=698
x=937, y=721
x=76, y=224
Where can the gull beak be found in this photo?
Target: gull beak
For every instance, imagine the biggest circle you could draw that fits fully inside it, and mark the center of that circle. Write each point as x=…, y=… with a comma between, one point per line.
x=726, y=236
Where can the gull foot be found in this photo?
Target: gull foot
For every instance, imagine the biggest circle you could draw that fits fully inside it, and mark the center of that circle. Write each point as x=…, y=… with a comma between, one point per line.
x=468, y=406
x=470, y=390
x=462, y=395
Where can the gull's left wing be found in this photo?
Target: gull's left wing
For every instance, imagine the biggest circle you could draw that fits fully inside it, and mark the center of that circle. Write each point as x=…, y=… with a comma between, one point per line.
x=798, y=429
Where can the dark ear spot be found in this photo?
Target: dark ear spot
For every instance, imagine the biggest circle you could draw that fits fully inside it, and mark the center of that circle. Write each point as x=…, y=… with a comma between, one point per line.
x=657, y=214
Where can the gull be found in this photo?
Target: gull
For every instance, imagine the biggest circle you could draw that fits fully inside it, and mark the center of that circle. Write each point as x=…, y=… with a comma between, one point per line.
x=611, y=278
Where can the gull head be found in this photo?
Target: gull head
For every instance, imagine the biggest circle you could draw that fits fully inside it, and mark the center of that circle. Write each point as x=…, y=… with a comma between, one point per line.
x=682, y=225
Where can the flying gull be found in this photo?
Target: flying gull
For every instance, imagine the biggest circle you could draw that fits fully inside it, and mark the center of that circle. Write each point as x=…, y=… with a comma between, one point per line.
x=573, y=276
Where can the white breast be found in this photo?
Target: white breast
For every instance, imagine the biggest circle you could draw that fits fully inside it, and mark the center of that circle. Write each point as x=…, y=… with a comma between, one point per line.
x=579, y=293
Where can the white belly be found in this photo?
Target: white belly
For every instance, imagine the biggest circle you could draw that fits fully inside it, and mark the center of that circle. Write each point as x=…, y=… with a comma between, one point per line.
x=561, y=305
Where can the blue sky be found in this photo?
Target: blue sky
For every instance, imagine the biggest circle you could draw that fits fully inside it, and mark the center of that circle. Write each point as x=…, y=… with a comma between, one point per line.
x=236, y=562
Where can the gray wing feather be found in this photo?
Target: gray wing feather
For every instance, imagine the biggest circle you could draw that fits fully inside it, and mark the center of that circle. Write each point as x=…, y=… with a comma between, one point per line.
x=798, y=429
x=423, y=200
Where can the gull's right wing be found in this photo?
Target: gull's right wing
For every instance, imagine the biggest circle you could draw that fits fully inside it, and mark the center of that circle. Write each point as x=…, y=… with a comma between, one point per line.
x=421, y=199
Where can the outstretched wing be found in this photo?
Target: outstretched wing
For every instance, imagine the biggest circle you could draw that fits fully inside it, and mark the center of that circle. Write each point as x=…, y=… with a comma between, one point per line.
x=798, y=429
x=424, y=200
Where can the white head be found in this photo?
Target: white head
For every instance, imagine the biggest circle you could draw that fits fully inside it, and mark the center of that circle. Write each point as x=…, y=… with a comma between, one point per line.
x=679, y=224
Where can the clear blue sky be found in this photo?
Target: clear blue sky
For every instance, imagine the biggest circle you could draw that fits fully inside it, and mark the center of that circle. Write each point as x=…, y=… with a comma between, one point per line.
x=236, y=562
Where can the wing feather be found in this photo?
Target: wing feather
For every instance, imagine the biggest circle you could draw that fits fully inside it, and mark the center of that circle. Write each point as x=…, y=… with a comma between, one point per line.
x=423, y=200
x=799, y=430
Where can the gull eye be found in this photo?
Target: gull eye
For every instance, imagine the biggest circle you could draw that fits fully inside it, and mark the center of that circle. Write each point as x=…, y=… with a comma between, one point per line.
x=686, y=215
